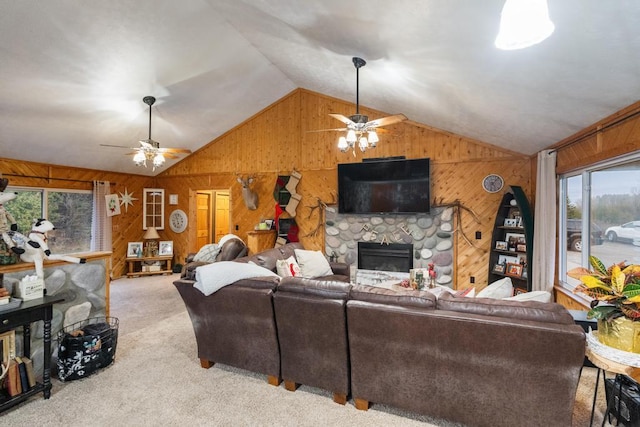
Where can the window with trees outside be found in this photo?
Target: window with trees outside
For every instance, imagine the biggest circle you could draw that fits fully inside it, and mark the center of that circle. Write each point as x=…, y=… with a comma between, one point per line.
x=603, y=203
x=69, y=211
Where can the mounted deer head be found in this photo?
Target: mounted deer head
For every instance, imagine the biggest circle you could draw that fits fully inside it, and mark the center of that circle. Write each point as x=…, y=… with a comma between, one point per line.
x=248, y=195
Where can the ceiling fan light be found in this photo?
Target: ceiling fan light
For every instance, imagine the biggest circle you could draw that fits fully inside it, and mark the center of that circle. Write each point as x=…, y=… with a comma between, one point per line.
x=372, y=136
x=351, y=136
x=139, y=158
x=342, y=144
x=363, y=143
x=158, y=160
x=523, y=23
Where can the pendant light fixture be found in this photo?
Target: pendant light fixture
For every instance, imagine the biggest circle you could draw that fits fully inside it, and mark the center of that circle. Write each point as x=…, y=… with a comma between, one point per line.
x=523, y=23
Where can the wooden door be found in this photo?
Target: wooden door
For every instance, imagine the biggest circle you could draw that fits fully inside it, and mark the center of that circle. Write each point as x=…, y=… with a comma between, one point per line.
x=221, y=219
x=203, y=219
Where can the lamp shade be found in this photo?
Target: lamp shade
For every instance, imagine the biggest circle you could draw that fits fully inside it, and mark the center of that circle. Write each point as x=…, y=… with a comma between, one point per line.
x=151, y=233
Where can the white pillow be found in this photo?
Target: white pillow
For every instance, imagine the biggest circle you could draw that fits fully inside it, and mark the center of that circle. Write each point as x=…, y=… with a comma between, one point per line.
x=499, y=289
x=542, y=296
x=312, y=264
x=287, y=267
x=207, y=253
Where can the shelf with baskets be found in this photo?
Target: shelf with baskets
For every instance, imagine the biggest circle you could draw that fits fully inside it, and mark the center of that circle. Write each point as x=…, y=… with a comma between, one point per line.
x=512, y=241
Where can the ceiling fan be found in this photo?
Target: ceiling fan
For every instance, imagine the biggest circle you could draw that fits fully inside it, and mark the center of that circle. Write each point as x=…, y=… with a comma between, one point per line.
x=149, y=149
x=358, y=124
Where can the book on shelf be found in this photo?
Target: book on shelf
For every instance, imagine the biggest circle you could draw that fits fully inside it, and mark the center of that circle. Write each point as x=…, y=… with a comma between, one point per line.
x=22, y=370
x=31, y=376
x=14, y=386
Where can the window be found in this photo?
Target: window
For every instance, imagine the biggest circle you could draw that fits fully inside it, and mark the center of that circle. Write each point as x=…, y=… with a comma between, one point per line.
x=602, y=202
x=153, y=208
x=69, y=210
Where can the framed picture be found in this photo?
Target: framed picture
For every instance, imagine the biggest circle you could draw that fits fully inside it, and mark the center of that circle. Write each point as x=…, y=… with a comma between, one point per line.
x=510, y=222
x=501, y=246
x=513, y=239
x=514, y=270
x=166, y=248
x=133, y=248
x=521, y=247
x=499, y=268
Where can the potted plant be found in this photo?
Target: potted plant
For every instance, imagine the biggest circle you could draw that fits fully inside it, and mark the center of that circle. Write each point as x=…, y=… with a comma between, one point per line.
x=616, y=301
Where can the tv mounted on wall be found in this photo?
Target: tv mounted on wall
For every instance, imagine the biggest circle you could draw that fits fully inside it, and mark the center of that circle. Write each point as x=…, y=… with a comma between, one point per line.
x=400, y=186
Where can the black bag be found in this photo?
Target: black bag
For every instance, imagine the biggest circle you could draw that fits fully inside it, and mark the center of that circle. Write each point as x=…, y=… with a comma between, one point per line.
x=85, y=347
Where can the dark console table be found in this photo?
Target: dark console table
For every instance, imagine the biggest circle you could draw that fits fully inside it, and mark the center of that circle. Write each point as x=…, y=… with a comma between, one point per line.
x=36, y=310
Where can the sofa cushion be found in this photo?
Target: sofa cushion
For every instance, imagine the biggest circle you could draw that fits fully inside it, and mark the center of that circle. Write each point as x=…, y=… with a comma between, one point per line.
x=499, y=289
x=400, y=297
x=312, y=264
x=524, y=310
x=320, y=288
x=287, y=267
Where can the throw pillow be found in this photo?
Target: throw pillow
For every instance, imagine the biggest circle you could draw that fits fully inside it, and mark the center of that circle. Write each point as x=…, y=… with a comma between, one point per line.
x=312, y=264
x=207, y=253
x=541, y=296
x=499, y=289
x=469, y=293
x=287, y=267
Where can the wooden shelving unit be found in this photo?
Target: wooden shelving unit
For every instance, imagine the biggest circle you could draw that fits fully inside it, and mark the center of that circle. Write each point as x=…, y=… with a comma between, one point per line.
x=512, y=241
x=136, y=265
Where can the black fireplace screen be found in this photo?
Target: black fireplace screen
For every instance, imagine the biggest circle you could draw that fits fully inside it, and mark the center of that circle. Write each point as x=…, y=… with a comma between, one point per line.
x=383, y=257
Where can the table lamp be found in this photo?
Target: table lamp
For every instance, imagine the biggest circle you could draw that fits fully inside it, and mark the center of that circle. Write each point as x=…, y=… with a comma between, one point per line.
x=151, y=235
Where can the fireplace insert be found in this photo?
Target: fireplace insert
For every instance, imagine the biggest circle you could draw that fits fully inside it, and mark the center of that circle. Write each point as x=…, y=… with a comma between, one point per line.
x=385, y=257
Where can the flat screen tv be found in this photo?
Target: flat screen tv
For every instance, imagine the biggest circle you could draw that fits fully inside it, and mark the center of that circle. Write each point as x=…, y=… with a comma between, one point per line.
x=400, y=186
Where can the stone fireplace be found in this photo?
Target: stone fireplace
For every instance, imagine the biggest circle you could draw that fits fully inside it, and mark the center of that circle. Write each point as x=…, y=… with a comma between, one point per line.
x=429, y=235
x=391, y=257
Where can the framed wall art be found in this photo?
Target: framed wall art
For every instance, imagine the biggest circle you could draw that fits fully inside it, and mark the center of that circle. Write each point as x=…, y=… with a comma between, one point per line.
x=133, y=248
x=166, y=248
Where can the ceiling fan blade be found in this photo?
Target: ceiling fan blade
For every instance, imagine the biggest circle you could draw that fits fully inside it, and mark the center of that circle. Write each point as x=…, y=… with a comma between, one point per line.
x=117, y=146
x=343, y=119
x=385, y=121
x=175, y=150
x=329, y=130
x=170, y=156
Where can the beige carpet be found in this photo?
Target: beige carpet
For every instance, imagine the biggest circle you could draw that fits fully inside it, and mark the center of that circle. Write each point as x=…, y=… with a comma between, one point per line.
x=157, y=380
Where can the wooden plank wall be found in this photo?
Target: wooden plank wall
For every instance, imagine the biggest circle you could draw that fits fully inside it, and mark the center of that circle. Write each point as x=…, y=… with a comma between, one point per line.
x=127, y=226
x=278, y=140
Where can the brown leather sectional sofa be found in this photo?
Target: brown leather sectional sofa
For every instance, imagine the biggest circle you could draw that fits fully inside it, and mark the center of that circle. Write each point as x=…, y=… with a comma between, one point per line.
x=480, y=362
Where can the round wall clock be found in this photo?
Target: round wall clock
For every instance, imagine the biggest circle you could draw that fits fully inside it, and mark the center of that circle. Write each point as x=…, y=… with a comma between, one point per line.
x=492, y=183
x=178, y=221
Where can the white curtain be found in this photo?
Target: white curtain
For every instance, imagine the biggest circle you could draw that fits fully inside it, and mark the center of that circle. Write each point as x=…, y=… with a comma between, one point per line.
x=544, y=228
x=100, y=222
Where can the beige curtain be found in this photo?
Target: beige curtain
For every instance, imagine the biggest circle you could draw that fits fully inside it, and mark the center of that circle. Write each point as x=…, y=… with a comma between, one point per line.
x=544, y=229
x=100, y=222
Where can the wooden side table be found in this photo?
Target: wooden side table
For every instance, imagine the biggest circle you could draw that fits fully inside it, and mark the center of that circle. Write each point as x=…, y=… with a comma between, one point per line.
x=135, y=265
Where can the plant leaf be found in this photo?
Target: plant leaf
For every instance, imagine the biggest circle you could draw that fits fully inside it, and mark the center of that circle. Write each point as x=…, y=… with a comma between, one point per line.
x=601, y=312
x=631, y=311
x=617, y=279
x=578, y=272
x=597, y=265
x=593, y=282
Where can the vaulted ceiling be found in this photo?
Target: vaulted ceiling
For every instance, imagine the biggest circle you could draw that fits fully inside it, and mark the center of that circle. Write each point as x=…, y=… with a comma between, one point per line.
x=73, y=73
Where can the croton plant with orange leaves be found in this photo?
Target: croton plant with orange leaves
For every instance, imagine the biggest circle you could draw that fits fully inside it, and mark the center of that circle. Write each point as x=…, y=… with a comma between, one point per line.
x=617, y=287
